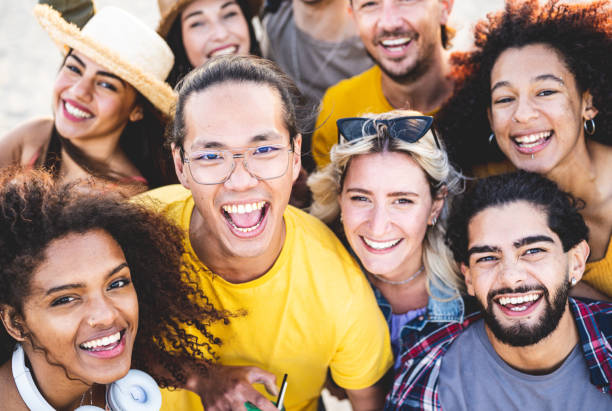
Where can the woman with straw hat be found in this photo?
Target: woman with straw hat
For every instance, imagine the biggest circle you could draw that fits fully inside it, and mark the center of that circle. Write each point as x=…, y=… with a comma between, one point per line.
x=197, y=30
x=110, y=105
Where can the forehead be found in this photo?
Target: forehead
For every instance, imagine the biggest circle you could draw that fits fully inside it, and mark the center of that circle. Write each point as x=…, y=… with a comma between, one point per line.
x=77, y=258
x=386, y=172
x=203, y=6
x=528, y=62
x=232, y=114
x=503, y=225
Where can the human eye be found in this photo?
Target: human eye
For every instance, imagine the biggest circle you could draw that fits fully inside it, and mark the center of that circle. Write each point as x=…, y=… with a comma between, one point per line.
x=107, y=85
x=358, y=198
x=265, y=150
x=404, y=201
x=119, y=283
x=502, y=100
x=367, y=5
x=486, y=259
x=534, y=251
x=547, y=92
x=207, y=157
x=230, y=14
x=62, y=300
x=72, y=68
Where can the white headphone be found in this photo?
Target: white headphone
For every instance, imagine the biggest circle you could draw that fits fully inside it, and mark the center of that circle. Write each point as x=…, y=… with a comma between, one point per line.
x=136, y=391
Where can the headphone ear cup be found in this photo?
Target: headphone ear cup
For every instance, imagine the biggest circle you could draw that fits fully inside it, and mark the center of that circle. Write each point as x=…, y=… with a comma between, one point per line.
x=137, y=391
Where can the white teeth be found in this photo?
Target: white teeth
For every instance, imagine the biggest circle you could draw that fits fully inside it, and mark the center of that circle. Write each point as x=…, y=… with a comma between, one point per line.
x=532, y=140
x=396, y=42
x=380, y=245
x=243, y=208
x=245, y=229
x=223, y=51
x=102, y=342
x=76, y=112
x=518, y=300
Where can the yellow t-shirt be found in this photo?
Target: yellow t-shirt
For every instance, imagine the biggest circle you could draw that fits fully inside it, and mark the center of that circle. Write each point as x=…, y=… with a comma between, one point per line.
x=312, y=310
x=352, y=97
x=598, y=273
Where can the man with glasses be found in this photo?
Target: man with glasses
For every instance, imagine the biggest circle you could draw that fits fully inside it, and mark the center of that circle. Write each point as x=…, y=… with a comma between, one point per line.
x=300, y=304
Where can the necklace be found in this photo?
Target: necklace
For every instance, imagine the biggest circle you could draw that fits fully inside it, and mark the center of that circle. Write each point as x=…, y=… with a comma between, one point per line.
x=406, y=281
x=90, y=390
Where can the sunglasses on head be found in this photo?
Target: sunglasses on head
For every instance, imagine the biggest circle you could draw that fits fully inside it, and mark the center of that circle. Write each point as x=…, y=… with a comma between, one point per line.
x=409, y=129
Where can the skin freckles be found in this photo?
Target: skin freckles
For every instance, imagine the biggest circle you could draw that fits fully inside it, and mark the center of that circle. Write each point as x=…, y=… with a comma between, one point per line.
x=537, y=109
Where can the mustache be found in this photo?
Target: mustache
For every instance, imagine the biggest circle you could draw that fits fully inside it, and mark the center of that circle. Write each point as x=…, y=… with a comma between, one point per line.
x=519, y=290
x=384, y=34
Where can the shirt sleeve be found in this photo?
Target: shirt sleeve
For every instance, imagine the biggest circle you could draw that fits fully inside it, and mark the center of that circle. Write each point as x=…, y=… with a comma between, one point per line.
x=364, y=350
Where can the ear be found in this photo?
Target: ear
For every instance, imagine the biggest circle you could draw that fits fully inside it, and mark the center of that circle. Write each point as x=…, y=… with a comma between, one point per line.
x=446, y=7
x=438, y=203
x=577, y=257
x=589, y=111
x=465, y=270
x=137, y=113
x=179, y=166
x=296, y=164
x=13, y=323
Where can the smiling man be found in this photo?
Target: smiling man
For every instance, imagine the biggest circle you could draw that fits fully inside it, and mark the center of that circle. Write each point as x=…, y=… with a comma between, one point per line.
x=522, y=245
x=300, y=303
x=407, y=41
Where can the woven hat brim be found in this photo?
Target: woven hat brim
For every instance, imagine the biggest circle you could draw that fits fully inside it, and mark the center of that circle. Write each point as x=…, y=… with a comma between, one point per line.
x=68, y=36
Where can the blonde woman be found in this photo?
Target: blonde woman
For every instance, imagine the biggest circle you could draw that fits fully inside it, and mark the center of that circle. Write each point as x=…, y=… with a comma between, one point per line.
x=389, y=182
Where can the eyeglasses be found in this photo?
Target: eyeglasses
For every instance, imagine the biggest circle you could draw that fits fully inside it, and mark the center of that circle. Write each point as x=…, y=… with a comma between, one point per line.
x=409, y=128
x=216, y=166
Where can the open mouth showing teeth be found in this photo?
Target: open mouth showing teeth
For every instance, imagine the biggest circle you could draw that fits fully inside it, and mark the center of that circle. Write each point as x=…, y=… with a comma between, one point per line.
x=103, y=344
x=518, y=304
x=245, y=218
x=381, y=245
x=223, y=51
x=530, y=141
x=396, y=45
x=76, y=112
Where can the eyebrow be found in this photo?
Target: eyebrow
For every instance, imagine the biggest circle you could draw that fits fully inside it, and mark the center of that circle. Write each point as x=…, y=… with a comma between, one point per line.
x=393, y=194
x=532, y=239
x=262, y=137
x=99, y=72
x=482, y=249
x=81, y=285
x=541, y=77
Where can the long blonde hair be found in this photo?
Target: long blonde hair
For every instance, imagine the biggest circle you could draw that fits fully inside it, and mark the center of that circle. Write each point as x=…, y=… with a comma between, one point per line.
x=326, y=186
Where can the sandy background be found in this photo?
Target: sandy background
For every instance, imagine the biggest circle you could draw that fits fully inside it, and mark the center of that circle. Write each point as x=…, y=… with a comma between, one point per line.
x=29, y=62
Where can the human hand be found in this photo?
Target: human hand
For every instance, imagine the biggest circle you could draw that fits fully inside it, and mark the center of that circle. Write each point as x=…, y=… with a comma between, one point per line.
x=228, y=388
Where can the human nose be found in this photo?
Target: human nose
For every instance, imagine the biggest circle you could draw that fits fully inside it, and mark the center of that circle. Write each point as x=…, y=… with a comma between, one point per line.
x=525, y=110
x=390, y=18
x=219, y=31
x=379, y=220
x=512, y=273
x=240, y=178
x=101, y=313
x=82, y=89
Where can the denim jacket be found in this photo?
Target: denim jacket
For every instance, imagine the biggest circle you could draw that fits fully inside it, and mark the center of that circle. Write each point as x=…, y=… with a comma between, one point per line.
x=449, y=310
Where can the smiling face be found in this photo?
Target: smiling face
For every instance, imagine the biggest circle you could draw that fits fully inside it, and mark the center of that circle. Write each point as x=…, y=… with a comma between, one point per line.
x=536, y=108
x=214, y=27
x=386, y=207
x=90, y=102
x=243, y=216
x=519, y=272
x=402, y=36
x=82, y=309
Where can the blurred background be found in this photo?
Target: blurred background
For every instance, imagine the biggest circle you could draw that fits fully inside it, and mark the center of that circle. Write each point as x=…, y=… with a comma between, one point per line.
x=29, y=60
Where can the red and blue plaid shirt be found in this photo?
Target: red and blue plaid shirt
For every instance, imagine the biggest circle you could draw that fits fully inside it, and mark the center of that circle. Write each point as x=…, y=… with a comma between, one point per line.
x=416, y=384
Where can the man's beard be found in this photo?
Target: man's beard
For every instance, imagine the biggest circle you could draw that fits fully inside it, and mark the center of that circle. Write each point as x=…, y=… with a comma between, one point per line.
x=409, y=74
x=521, y=334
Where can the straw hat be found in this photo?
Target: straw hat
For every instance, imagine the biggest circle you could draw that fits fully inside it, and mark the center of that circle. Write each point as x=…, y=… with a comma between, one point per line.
x=122, y=44
x=170, y=9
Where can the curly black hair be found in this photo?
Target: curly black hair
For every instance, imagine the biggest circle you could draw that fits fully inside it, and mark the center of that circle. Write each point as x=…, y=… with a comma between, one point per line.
x=581, y=34
x=35, y=210
x=561, y=208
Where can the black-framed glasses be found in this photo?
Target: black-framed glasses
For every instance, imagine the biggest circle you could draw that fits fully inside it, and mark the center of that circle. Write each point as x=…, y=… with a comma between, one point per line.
x=408, y=128
x=265, y=162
